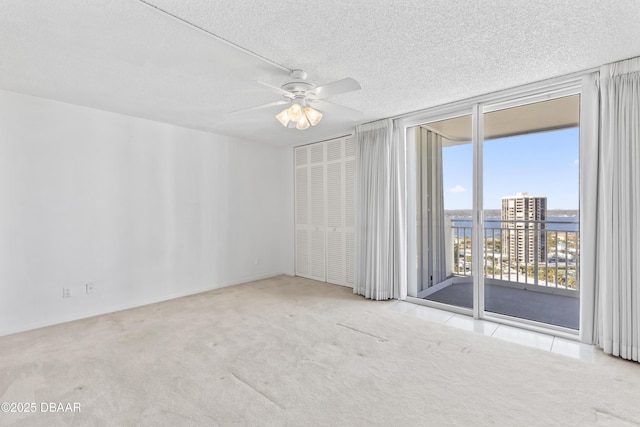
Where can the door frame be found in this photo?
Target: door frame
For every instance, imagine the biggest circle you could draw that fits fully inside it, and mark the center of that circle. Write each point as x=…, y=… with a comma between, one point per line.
x=540, y=91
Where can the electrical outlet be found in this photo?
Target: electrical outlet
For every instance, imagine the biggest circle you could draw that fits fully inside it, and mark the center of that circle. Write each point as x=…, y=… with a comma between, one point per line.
x=91, y=288
x=256, y=261
x=66, y=293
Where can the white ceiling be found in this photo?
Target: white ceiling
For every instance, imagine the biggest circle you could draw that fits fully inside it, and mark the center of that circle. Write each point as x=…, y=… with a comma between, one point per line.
x=143, y=58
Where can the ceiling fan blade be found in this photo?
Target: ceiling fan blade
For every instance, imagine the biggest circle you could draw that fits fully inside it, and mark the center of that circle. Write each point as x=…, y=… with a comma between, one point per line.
x=335, y=88
x=326, y=106
x=276, y=89
x=260, y=107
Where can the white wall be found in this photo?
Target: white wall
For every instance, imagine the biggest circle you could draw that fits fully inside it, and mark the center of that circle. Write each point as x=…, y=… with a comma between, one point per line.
x=143, y=210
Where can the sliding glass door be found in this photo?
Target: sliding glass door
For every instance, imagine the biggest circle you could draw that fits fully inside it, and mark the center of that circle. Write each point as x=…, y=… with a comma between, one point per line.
x=444, y=153
x=530, y=210
x=496, y=209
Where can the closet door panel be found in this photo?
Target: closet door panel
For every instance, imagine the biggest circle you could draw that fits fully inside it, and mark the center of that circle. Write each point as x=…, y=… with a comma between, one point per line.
x=335, y=257
x=302, y=253
x=350, y=258
x=325, y=211
x=317, y=193
x=302, y=218
x=318, y=255
x=335, y=220
x=350, y=210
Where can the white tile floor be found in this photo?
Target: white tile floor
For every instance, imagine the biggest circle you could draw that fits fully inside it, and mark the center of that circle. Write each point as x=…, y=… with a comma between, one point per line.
x=537, y=340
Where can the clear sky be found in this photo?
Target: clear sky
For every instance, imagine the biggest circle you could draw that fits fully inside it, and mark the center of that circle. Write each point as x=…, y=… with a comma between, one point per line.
x=541, y=164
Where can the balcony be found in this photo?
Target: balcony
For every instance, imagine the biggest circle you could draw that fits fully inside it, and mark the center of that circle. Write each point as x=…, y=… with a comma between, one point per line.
x=531, y=270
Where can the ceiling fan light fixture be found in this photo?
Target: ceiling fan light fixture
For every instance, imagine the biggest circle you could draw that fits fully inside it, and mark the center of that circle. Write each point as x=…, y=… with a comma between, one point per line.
x=295, y=112
x=303, y=123
x=313, y=115
x=283, y=117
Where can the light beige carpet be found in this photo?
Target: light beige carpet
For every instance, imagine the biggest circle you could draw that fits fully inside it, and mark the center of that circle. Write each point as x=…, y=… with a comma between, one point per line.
x=294, y=352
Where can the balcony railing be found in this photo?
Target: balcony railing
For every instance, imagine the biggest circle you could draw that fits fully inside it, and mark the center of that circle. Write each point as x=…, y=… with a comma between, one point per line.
x=540, y=253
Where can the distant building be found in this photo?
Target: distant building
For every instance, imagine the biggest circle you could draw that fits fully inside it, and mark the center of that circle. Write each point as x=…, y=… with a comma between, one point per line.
x=523, y=222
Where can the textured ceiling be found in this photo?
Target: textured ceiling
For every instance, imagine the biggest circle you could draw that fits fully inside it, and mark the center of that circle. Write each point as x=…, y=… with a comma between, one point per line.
x=141, y=58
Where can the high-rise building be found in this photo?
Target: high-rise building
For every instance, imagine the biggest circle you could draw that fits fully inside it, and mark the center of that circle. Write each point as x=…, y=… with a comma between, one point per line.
x=523, y=222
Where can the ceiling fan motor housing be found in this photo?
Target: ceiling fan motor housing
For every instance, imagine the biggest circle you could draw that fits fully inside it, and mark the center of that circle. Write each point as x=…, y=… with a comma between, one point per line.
x=298, y=83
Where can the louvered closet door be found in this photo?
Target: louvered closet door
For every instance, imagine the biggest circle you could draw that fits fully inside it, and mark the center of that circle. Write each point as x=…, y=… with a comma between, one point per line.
x=325, y=211
x=350, y=210
x=317, y=193
x=303, y=228
x=335, y=212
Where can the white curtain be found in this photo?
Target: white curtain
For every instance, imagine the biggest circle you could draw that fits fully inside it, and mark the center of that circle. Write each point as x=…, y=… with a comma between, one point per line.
x=589, y=160
x=433, y=204
x=617, y=255
x=381, y=212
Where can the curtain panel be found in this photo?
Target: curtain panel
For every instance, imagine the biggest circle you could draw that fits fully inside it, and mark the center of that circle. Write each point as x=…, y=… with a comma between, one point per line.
x=380, y=219
x=433, y=192
x=589, y=250
x=617, y=280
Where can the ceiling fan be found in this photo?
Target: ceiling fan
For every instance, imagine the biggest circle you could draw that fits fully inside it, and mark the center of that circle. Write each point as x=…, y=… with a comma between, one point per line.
x=303, y=95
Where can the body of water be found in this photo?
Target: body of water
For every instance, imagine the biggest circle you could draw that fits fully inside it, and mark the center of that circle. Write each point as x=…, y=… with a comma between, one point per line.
x=554, y=223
